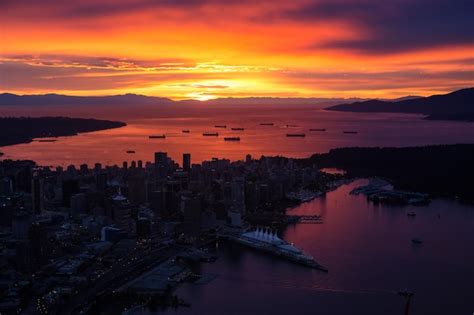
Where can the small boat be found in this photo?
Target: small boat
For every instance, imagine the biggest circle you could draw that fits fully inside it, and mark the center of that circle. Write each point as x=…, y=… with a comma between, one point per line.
x=47, y=140
x=220, y=126
x=266, y=124
x=300, y=135
x=185, y=131
x=350, y=132
x=411, y=214
x=317, y=129
x=416, y=241
x=237, y=129
x=210, y=134
x=157, y=137
x=232, y=139
x=130, y=151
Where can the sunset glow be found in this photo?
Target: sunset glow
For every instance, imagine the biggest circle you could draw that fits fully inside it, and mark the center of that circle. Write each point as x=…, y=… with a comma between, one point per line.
x=204, y=49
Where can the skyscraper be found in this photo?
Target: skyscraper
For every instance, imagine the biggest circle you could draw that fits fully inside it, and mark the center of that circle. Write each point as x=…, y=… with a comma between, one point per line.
x=186, y=161
x=37, y=194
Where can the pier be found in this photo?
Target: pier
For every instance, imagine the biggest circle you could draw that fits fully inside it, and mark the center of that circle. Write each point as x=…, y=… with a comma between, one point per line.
x=311, y=219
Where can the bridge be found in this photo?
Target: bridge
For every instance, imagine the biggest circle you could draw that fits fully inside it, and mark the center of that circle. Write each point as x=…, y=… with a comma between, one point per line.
x=314, y=219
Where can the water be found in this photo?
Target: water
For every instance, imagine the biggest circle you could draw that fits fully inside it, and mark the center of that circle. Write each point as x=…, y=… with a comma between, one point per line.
x=369, y=254
x=110, y=146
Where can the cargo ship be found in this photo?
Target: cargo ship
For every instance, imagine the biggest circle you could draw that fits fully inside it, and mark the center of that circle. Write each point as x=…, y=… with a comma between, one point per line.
x=269, y=242
x=266, y=124
x=232, y=139
x=210, y=134
x=130, y=151
x=291, y=126
x=185, y=131
x=317, y=129
x=220, y=126
x=350, y=132
x=157, y=137
x=300, y=135
x=237, y=129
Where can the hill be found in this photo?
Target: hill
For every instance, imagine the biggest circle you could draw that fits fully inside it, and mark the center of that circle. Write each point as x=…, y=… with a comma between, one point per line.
x=450, y=106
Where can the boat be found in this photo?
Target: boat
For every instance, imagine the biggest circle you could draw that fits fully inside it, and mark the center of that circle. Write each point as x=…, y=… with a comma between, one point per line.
x=130, y=151
x=157, y=137
x=411, y=214
x=416, y=241
x=185, y=131
x=210, y=134
x=266, y=124
x=317, y=129
x=350, y=132
x=269, y=242
x=296, y=135
x=237, y=129
x=232, y=139
x=220, y=126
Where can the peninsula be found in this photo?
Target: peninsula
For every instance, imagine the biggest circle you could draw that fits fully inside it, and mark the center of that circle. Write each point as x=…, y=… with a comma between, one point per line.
x=15, y=130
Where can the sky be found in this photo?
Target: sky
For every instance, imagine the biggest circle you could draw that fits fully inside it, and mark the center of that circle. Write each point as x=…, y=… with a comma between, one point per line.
x=204, y=49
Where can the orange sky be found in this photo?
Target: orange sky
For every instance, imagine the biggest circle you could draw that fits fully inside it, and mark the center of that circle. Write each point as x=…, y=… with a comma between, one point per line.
x=205, y=49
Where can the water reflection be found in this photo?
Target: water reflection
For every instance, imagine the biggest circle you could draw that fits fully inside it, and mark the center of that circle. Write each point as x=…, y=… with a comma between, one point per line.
x=369, y=254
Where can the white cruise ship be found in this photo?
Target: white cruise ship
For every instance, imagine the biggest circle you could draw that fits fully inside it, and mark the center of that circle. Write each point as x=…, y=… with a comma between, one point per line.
x=269, y=241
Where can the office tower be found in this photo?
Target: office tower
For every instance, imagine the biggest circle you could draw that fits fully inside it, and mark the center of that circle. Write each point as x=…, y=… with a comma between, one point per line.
x=78, y=205
x=69, y=188
x=20, y=226
x=192, y=216
x=136, y=189
x=161, y=158
x=187, y=162
x=37, y=195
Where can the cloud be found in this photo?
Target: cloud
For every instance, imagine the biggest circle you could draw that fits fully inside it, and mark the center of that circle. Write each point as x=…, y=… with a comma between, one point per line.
x=392, y=26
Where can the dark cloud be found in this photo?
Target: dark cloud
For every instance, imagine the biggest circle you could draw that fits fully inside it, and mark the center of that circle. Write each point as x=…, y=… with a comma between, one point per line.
x=393, y=26
x=99, y=62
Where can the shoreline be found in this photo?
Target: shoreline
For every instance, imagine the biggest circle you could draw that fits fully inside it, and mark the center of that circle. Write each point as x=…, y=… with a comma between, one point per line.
x=49, y=127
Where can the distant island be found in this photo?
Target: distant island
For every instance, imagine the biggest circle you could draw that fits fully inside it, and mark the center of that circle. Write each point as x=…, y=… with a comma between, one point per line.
x=14, y=130
x=458, y=105
x=440, y=170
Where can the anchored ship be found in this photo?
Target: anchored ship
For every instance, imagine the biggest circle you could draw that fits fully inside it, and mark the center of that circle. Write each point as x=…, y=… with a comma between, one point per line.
x=210, y=134
x=232, y=139
x=220, y=126
x=266, y=124
x=269, y=242
x=301, y=135
x=237, y=129
x=185, y=131
x=317, y=129
x=157, y=137
x=350, y=132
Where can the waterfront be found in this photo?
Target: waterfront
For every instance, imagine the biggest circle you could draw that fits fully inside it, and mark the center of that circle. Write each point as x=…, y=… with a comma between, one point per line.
x=111, y=146
x=368, y=251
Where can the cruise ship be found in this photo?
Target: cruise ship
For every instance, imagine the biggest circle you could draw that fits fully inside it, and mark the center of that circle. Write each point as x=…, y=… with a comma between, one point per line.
x=269, y=242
